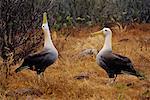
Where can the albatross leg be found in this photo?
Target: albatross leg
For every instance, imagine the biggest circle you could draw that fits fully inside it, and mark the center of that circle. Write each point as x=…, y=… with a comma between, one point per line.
x=115, y=77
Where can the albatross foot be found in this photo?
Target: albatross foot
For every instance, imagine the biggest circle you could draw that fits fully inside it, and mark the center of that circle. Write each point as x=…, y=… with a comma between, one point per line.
x=111, y=81
x=41, y=77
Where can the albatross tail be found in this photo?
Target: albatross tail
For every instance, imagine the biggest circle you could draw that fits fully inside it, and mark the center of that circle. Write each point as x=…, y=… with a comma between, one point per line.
x=135, y=73
x=139, y=76
x=21, y=68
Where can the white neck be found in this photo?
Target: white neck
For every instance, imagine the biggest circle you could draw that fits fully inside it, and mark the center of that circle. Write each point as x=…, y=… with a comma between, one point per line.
x=108, y=43
x=48, y=41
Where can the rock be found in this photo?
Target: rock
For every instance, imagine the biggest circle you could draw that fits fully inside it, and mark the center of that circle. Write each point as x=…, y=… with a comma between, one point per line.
x=24, y=91
x=88, y=52
x=82, y=76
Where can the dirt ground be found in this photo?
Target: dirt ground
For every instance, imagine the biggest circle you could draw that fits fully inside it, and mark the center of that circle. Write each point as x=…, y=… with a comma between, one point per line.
x=60, y=81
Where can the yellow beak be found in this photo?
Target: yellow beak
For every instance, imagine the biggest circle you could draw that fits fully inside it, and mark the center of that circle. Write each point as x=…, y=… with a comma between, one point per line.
x=44, y=18
x=97, y=33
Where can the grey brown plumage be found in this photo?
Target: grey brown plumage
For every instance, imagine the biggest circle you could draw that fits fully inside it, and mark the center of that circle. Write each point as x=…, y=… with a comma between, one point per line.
x=112, y=63
x=115, y=64
x=39, y=61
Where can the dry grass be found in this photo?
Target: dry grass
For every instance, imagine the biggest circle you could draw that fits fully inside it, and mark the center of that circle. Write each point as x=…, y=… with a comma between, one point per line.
x=60, y=84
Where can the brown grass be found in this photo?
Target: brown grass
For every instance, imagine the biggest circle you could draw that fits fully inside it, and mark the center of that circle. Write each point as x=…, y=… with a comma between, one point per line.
x=60, y=84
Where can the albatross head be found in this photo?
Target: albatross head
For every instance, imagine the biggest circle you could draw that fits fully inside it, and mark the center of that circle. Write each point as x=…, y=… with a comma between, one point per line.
x=45, y=23
x=107, y=33
x=104, y=31
x=47, y=38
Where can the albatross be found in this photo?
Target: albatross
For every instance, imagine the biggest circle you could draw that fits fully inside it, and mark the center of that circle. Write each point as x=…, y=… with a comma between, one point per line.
x=40, y=61
x=113, y=63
